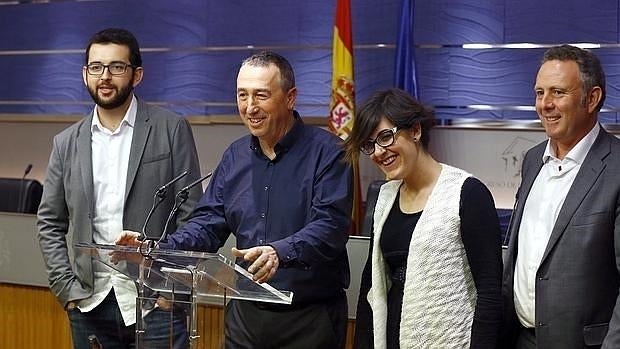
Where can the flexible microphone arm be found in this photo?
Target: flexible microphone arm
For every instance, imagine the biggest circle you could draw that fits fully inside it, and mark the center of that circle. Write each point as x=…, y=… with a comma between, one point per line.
x=161, y=192
x=158, y=198
x=20, y=200
x=179, y=200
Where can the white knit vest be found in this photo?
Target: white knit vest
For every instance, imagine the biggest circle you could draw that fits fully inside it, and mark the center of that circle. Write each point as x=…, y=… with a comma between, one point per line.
x=440, y=296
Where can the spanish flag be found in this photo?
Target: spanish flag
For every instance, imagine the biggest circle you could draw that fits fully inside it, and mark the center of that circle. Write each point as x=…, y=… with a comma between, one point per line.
x=342, y=105
x=343, y=92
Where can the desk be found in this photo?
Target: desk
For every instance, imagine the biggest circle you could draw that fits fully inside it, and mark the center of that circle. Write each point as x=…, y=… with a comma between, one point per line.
x=20, y=258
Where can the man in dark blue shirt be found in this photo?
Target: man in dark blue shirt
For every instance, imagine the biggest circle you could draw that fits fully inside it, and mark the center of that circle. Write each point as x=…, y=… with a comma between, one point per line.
x=285, y=193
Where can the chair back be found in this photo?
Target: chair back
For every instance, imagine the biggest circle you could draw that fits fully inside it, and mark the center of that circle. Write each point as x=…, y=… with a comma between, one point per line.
x=371, y=201
x=20, y=195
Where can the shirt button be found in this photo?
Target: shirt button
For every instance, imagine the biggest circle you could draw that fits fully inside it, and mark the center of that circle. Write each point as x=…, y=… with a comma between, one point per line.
x=262, y=215
x=266, y=187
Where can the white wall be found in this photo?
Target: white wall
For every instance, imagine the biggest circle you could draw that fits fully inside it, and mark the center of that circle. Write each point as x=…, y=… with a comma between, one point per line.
x=493, y=155
x=24, y=143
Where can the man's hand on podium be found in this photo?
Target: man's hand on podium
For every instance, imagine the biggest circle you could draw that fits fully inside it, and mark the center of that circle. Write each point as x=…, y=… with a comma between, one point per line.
x=265, y=261
x=127, y=238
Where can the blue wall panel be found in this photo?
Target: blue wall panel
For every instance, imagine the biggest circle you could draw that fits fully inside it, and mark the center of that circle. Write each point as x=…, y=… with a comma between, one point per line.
x=506, y=76
x=557, y=21
x=455, y=22
x=192, y=50
x=434, y=75
x=205, y=42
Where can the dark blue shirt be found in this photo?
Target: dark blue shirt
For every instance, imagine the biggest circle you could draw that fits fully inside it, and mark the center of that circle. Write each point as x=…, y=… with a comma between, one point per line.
x=299, y=203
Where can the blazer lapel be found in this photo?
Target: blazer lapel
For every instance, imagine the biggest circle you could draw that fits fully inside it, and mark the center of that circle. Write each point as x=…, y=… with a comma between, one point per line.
x=84, y=153
x=529, y=176
x=589, y=172
x=141, y=131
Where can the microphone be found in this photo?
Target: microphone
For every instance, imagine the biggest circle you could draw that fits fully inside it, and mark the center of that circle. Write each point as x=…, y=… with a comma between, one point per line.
x=28, y=169
x=179, y=199
x=20, y=199
x=185, y=190
x=158, y=197
x=161, y=192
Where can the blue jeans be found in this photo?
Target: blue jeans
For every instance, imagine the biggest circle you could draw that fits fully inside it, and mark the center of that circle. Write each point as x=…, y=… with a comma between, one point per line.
x=106, y=322
x=165, y=329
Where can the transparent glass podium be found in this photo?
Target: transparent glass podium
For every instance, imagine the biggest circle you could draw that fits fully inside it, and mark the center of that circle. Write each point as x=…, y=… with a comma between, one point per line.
x=186, y=279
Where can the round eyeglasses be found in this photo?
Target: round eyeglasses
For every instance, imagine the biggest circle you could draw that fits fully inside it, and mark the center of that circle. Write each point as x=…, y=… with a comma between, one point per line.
x=384, y=139
x=115, y=68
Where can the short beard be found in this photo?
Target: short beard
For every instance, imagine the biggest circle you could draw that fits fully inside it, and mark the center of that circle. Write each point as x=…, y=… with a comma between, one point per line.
x=121, y=97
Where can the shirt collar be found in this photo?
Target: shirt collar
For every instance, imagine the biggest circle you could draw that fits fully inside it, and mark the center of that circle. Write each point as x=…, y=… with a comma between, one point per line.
x=129, y=118
x=286, y=142
x=579, y=151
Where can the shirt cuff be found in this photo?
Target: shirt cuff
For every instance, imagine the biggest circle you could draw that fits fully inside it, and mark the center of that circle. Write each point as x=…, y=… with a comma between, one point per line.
x=285, y=250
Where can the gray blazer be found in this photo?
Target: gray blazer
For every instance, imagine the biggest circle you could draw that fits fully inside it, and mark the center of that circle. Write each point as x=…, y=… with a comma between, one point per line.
x=162, y=147
x=577, y=282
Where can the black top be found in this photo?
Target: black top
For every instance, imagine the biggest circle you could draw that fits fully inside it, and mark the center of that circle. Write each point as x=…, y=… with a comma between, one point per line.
x=480, y=233
x=395, y=240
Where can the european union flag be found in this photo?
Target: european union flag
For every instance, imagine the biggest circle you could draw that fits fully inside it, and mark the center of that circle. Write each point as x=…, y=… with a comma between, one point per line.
x=404, y=67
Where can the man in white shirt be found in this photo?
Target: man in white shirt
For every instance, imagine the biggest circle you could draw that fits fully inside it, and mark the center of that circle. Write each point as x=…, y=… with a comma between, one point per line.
x=101, y=177
x=561, y=276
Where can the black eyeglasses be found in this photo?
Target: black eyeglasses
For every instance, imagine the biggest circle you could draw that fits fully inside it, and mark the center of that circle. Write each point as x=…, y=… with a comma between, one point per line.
x=115, y=68
x=384, y=139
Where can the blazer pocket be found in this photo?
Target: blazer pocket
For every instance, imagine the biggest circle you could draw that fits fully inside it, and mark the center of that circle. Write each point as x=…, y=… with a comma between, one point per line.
x=594, y=334
x=594, y=218
x=154, y=158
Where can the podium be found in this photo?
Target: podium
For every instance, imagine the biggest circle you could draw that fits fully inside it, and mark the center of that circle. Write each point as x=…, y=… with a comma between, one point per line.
x=185, y=278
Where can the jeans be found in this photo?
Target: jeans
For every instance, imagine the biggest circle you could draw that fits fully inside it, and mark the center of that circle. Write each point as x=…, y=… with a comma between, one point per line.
x=164, y=328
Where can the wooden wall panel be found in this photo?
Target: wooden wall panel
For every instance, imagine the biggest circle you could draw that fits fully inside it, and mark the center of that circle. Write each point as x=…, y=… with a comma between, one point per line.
x=30, y=317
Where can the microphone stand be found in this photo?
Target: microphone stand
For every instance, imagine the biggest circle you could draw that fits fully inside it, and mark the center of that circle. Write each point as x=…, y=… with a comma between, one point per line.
x=158, y=198
x=20, y=200
x=179, y=200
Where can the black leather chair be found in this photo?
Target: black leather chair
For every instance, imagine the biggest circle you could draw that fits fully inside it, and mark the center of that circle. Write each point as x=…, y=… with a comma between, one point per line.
x=504, y=214
x=371, y=201
x=20, y=195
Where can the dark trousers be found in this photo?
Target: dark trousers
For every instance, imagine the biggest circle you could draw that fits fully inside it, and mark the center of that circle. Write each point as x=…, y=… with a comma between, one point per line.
x=526, y=339
x=263, y=326
x=164, y=329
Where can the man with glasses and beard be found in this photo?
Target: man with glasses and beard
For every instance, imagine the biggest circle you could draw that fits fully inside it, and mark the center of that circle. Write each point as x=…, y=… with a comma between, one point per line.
x=101, y=176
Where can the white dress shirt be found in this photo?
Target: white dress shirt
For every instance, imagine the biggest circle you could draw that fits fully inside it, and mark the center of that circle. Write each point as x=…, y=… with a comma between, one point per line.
x=542, y=206
x=110, y=160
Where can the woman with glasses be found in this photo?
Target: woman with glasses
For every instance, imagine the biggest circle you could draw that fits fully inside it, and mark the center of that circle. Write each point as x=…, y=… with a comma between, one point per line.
x=433, y=274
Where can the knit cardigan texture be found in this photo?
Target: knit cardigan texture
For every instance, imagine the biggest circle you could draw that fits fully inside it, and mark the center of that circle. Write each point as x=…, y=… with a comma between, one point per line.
x=440, y=295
